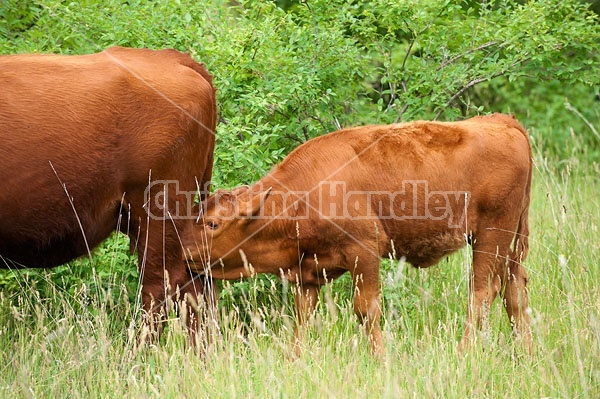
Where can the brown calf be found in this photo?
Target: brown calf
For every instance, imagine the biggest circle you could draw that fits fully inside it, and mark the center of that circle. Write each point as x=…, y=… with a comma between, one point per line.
x=342, y=201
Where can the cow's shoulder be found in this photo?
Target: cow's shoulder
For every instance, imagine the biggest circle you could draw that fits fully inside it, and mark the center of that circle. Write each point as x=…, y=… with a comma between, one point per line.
x=160, y=61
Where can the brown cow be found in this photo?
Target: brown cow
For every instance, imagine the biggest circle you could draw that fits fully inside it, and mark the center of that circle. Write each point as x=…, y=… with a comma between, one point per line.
x=418, y=190
x=86, y=143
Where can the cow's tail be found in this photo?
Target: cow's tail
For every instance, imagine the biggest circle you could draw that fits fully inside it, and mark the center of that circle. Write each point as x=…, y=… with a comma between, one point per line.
x=521, y=242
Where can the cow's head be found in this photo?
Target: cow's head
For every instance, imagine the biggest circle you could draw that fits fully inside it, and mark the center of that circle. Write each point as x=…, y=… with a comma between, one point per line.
x=227, y=229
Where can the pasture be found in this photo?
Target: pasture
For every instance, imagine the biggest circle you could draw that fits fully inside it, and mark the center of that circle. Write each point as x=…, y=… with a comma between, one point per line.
x=287, y=71
x=81, y=343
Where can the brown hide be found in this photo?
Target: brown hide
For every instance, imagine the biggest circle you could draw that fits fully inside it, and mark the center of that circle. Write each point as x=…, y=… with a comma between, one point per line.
x=417, y=190
x=83, y=137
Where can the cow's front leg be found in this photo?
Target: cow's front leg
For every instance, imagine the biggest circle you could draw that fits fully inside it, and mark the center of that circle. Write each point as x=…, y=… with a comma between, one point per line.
x=305, y=300
x=167, y=283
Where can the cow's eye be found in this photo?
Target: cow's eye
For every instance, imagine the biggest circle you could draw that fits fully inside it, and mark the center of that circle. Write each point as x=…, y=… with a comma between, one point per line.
x=212, y=225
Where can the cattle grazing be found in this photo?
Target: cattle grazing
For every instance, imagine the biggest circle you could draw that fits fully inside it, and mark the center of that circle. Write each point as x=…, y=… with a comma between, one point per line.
x=340, y=202
x=86, y=141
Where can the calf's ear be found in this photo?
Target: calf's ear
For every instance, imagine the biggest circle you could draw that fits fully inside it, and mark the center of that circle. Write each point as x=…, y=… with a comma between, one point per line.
x=252, y=207
x=239, y=190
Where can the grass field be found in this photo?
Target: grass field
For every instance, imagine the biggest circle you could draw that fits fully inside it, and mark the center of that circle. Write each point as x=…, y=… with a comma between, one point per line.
x=79, y=344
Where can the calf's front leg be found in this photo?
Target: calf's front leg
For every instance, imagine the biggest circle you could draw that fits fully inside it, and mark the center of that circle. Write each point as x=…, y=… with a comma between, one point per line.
x=305, y=300
x=365, y=277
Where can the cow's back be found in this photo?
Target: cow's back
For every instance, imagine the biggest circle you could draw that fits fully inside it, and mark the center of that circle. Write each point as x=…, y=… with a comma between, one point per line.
x=78, y=133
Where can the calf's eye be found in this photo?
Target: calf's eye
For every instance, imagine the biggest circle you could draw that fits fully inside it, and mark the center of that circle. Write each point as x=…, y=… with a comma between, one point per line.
x=212, y=225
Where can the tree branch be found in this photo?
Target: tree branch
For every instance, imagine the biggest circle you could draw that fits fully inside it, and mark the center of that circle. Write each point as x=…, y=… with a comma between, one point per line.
x=459, y=56
x=477, y=81
x=579, y=114
x=400, y=113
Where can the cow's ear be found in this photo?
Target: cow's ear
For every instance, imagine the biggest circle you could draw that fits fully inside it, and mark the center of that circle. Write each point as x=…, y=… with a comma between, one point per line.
x=252, y=207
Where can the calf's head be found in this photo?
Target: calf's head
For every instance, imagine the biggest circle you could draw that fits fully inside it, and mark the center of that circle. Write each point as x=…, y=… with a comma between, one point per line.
x=224, y=232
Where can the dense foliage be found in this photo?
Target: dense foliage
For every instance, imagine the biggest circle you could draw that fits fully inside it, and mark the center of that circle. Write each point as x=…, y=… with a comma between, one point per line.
x=285, y=76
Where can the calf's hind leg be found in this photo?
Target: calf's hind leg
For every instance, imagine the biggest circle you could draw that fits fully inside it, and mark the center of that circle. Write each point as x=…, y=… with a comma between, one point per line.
x=516, y=302
x=491, y=254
